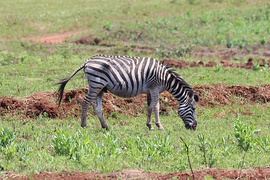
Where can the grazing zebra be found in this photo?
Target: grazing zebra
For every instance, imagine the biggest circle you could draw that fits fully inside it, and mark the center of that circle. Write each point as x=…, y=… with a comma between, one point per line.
x=129, y=76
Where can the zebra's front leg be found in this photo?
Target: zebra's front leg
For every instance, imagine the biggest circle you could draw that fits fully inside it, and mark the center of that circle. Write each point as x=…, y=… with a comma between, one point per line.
x=98, y=110
x=156, y=112
x=155, y=106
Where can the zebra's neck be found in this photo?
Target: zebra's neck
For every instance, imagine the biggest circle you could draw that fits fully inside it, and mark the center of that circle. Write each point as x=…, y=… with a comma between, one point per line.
x=177, y=86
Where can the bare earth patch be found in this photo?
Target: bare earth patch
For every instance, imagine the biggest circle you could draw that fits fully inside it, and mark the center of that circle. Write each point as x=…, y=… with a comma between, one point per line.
x=254, y=173
x=249, y=64
x=54, y=38
x=44, y=103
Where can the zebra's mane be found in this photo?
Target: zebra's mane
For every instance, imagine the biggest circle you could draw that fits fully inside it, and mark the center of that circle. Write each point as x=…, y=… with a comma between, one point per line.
x=177, y=76
x=114, y=56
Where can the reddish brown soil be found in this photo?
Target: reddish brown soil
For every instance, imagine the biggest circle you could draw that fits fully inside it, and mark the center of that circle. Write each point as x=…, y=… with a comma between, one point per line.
x=249, y=64
x=44, y=103
x=254, y=173
x=55, y=38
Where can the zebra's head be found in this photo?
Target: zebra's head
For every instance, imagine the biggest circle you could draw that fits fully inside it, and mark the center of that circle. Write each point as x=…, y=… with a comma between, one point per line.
x=187, y=110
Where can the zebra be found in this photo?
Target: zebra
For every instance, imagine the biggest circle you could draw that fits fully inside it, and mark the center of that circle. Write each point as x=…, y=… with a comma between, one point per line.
x=126, y=77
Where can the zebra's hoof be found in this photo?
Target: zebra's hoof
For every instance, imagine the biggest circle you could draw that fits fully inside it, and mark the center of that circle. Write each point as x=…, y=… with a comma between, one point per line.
x=160, y=127
x=105, y=127
x=150, y=126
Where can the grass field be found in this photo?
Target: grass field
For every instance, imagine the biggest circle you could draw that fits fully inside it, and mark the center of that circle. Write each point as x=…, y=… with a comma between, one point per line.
x=227, y=136
x=61, y=145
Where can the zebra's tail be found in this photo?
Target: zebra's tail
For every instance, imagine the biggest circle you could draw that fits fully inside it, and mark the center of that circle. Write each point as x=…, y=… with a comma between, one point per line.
x=63, y=82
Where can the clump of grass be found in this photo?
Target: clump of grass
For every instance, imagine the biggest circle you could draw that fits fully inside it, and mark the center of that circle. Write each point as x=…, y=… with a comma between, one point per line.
x=7, y=145
x=7, y=137
x=179, y=52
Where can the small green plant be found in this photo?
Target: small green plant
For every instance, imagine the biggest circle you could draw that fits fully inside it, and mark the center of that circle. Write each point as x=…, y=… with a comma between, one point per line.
x=211, y=155
x=74, y=147
x=7, y=137
x=219, y=68
x=203, y=147
x=163, y=53
x=62, y=143
x=7, y=58
x=245, y=137
x=265, y=67
x=9, y=152
x=111, y=146
x=262, y=41
x=207, y=150
x=7, y=146
x=193, y=2
x=108, y=25
x=24, y=152
x=229, y=43
x=180, y=51
x=257, y=66
x=263, y=143
x=159, y=146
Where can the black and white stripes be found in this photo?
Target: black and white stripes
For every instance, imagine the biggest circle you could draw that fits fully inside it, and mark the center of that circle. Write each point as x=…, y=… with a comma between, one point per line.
x=129, y=76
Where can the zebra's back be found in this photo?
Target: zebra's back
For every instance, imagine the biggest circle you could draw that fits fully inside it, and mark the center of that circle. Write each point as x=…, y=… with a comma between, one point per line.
x=122, y=75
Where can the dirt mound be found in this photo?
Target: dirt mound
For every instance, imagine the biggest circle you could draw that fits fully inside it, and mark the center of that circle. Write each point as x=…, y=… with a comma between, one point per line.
x=249, y=64
x=254, y=173
x=222, y=94
x=233, y=53
x=44, y=103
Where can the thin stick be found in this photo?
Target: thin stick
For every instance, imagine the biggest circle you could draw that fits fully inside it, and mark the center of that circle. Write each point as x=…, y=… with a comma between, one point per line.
x=193, y=176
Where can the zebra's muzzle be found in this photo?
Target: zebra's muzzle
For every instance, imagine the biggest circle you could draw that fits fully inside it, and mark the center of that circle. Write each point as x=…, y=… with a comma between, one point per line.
x=191, y=126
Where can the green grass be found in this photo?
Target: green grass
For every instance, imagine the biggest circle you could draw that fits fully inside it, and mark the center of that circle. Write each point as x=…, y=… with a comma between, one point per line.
x=62, y=145
x=50, y=16
x=161, y=24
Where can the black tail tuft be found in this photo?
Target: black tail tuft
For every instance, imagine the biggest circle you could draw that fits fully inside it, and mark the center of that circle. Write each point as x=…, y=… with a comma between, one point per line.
x=61, y=88
x=63, y=83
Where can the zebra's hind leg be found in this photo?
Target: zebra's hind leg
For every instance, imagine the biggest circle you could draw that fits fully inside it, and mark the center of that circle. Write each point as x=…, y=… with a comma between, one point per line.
x=149, y=112
x=85, y=105
x=98, y=110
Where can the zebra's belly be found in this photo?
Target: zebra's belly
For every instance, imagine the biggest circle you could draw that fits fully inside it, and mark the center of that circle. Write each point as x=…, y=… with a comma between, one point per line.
x=126, y=93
